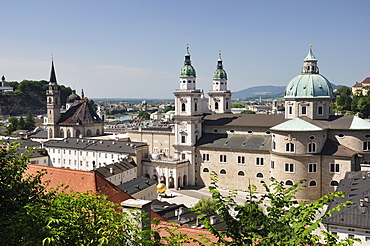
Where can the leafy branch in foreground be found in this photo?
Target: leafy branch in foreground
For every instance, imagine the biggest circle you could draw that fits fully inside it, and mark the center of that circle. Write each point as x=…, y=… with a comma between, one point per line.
x=285, y=221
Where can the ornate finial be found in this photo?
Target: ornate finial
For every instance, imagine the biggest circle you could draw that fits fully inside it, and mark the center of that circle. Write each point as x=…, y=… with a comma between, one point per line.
x=310, y=45
x=219, y=53
x=52, y=56
x=187, y=47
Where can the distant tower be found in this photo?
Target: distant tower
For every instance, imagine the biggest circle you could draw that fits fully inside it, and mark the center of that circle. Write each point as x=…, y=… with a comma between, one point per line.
x=82, y=94
x=220, y=96
x=188, y=117
x=309, y=94
x=53, y=104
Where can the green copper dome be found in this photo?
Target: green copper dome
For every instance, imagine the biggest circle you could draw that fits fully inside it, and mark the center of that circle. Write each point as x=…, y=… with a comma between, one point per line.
x=220, y=73
x=310, y=83
x=187, y=70
x=309, y=86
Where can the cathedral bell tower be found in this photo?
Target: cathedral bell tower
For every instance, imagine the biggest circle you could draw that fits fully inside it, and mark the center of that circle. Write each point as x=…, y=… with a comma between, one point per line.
x=220, y=96
x=53, y=104
x=188, y=117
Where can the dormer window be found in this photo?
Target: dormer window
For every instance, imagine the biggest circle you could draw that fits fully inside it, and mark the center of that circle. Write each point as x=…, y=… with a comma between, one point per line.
x=304, y=110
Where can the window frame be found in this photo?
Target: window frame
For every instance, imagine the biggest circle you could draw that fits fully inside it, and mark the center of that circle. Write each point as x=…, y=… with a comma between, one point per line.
x=289, y=167
x=260, y=161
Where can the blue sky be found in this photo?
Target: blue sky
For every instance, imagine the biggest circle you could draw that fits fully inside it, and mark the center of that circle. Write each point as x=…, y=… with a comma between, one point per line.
x=135, y=49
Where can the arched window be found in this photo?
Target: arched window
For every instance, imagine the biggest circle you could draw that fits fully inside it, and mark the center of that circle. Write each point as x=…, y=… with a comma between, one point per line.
x=61, y=133
x=68, y=133
x=183, y=107
x=147, y=176
x=88, y=133
x=227, y=105
x=259, y=175
x=97, y=132
x=288, y=182
x=240, y=173
x=205, y=170
x=216, y=105
x=50, y=101
x=334, y=183
x=222, y=171
x=312, y=183
x=51, y=133
x=311, y=147
x=195, y=106
x=78, y=133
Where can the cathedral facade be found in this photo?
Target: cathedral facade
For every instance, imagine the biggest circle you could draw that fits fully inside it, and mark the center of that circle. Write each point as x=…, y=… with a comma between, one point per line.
x=306, y=143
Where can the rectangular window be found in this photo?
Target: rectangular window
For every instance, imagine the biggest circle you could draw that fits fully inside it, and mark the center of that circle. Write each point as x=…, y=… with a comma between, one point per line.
x=259, y=161
x=272, y=164
x=304, y=110
x=241, y=159
x=290, y=110
x=155, y=149
x=273, y=144
x=223, y=158
x=289, y=167
x=166, y=150
x=366, y=146
x=334, y=167
x=183, y=139
x=320, y=110
x=183, y=156
x=312, y=167
x=205, y=157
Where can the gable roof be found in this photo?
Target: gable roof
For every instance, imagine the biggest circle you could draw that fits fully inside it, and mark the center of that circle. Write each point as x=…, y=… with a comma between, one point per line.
x=115, y=168
x=356, y=185
x=79, y=113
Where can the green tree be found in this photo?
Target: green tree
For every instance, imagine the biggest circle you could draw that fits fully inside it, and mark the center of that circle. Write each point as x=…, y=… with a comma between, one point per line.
x=248, y=112
x=30, y=122
x=144, y=115
x=237, y=105
x=21, y=124
x=205, y=206
x=343, y=98
x=12, y=125
x=283, y=222
x=16, y=192
x=169, y=108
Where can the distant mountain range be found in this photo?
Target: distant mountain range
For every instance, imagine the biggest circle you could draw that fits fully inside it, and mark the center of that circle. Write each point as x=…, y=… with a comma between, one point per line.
x=266, y=91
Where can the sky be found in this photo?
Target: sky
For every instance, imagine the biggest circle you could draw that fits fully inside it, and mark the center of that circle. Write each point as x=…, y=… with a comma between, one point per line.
x=135, y=49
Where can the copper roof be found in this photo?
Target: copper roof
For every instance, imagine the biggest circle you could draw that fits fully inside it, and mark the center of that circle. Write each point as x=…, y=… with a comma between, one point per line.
x=80, y=113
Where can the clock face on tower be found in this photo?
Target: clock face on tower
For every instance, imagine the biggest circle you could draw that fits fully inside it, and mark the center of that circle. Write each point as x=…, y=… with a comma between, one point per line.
x=183, y=126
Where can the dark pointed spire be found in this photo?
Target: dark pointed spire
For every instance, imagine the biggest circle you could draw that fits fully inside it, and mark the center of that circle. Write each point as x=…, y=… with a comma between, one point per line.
x=53, y=77
x=82, y=94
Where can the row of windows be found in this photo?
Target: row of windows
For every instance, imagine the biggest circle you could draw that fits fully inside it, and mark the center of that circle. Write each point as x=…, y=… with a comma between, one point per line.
x=86, y=153
x=290, y=147
x=183, y=107
x=240, y=173
x=320, y=110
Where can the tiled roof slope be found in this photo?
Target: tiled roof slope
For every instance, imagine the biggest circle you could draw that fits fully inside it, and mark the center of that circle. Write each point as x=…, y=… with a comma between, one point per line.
x=236, y=141
x=117, y=167
x=136, y=185
x=82, y=181
x=79, y=113
x=356, y=186
x=333, y=148
x=98, y=145
x=256, y=120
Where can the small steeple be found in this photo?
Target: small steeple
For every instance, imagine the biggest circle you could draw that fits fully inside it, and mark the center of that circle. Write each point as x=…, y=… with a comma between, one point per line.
x=82, y=93
x=3, y=78
x=310, y=63
x=187, y=56
x=53, y=77
x=220, y=73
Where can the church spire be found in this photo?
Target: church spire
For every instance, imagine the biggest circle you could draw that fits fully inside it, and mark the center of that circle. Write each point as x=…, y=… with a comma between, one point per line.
x=53, y=77
x=187, y=70
x=310, y=63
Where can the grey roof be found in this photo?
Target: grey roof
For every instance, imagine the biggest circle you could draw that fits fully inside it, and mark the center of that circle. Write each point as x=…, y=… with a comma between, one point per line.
x=115, y=168
x=136, y=185
x=253, y=120
x=236, y=141
x=355, y=185
x=98, y=145
x=333, y=148
x=340, y=122
x=296, y=124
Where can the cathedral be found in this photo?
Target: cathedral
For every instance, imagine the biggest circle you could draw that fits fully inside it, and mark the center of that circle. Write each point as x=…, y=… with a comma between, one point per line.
x=80, y=120
x=308, y=142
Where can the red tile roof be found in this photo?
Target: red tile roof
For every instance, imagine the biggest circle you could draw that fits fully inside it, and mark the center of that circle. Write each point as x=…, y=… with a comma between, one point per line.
x=357, y=85
x=82, y=181
x=367, y=80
